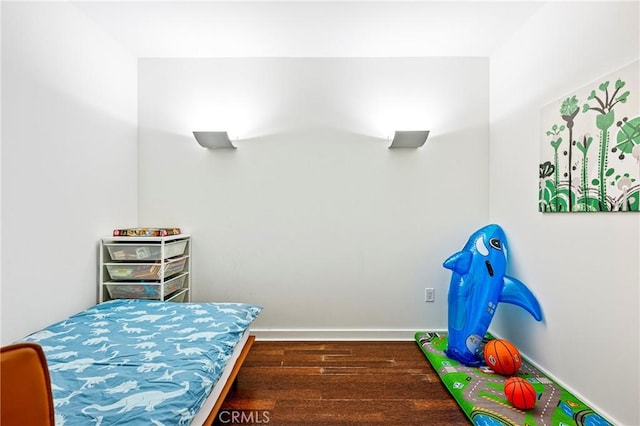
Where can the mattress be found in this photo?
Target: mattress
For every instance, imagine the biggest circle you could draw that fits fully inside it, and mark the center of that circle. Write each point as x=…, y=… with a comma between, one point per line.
x=141, y=362
x=207, y=406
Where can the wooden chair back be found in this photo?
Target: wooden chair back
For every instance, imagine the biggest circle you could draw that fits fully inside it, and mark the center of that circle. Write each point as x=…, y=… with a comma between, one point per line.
x=25, y=387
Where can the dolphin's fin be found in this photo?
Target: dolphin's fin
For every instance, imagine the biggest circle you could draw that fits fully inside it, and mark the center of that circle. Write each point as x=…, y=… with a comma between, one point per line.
x=516, y=293
x=459, y=262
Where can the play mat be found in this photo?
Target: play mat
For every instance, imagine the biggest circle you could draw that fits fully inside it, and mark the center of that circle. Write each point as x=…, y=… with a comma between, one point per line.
x=479, y=392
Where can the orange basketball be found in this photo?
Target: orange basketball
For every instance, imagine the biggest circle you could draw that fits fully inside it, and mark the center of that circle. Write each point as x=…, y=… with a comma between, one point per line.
x=520, y=393
x=502, y=357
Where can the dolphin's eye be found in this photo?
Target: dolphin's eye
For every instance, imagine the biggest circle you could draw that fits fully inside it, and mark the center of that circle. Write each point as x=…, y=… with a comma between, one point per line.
x=495, y=243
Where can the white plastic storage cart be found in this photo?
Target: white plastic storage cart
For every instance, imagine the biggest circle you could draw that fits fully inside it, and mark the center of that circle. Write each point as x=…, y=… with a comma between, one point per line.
x=145, y=268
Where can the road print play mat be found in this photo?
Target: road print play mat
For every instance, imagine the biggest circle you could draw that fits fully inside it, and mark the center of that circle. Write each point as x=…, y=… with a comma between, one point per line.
x=480, y=392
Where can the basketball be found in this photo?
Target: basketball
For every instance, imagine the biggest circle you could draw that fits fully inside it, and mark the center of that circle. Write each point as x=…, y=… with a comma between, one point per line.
x=502, y=357
x=520, y=393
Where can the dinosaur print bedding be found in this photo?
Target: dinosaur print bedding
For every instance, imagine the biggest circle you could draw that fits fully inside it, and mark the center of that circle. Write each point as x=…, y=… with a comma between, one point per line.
x=140, y=362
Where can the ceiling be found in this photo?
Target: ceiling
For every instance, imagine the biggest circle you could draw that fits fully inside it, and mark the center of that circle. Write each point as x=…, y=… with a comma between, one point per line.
x=308, y=29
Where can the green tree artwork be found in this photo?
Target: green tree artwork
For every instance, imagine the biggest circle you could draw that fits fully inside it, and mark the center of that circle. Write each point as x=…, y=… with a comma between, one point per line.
x=590, y=147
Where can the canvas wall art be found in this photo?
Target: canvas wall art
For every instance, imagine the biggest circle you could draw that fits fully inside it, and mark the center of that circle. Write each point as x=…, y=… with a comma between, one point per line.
x=590, y=147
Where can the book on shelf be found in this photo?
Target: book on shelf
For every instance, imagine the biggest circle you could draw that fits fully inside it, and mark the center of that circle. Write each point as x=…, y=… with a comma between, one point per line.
x=145, y=232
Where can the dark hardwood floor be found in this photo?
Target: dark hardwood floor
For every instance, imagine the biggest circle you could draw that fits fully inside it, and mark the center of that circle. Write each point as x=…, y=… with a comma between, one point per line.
x=339, y=383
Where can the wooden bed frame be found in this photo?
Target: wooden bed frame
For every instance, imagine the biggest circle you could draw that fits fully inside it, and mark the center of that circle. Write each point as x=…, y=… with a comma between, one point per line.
x=231, y=382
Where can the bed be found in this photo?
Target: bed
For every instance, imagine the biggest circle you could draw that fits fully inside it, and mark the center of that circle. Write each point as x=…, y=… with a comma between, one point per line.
x=144, y=362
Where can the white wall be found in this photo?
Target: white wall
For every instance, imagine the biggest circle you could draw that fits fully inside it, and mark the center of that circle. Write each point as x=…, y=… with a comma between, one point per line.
x=312, y=216
x=582, y=267
x=68, y=159
x=1, y=4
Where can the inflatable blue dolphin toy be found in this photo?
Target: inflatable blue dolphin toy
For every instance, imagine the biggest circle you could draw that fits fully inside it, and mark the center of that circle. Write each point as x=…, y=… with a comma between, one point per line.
x=478, y=284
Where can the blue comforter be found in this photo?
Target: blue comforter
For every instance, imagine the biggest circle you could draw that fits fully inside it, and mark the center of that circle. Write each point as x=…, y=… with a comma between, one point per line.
x=140, y=362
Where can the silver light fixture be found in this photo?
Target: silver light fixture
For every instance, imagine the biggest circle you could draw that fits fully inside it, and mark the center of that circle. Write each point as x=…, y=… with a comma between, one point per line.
x=214, y=140
x=409, y=139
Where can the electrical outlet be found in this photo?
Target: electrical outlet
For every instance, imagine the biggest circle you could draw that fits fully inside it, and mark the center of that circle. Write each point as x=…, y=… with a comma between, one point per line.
x=429, y=295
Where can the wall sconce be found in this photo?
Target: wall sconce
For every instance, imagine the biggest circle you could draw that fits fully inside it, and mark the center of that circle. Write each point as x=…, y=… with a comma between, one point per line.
x=409, y=139
x=214, y=140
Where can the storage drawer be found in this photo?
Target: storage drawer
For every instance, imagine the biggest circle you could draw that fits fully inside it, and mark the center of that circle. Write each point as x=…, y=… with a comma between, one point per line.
x=179, y=297
x=145, y=290
x=146, y=271
x=141, y=251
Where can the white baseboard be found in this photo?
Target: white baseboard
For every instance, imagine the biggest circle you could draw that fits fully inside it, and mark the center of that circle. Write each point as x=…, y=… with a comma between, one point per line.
x=333, y=334
x=570, y=389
